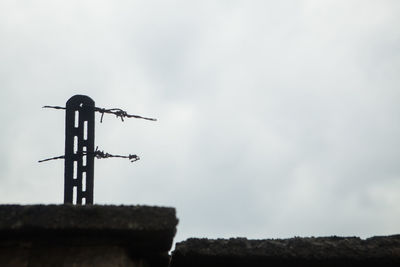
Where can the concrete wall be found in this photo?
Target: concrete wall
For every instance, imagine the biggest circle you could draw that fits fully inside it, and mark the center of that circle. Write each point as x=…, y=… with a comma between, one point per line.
x=66, y=235
x=321, y=251
x=141, y=236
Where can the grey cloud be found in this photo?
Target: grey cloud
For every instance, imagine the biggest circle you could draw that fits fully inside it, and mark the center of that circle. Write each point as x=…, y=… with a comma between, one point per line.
x=275, y=119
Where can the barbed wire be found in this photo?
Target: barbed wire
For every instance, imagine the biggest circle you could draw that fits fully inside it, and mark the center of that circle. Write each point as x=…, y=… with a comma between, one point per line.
x=99, y=154
x=116, y=111
x=59, y=157
x=119, y=113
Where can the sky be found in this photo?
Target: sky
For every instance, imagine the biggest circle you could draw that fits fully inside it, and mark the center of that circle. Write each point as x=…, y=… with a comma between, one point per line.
x=275, y=118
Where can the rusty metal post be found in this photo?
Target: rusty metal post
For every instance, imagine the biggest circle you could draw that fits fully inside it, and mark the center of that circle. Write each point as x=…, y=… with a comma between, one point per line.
x=79, y=150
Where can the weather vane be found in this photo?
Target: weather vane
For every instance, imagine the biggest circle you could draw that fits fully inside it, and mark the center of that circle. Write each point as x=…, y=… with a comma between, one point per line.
x=79, y=147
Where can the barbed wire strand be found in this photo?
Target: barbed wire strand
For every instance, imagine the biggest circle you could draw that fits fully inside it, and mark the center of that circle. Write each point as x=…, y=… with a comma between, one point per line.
x=119, y=113
x=99, y=154
x=59, y=157
x=55, y=107
x=116, y=111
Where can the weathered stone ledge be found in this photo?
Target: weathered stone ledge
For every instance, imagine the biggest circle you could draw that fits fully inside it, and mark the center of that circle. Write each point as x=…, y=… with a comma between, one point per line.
x=93, y=235
x=319, y=251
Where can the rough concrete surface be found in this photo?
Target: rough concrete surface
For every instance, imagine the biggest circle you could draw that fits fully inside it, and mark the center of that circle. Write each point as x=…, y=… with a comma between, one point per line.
x=67, y=235
x=149, y=227
x=320, y=251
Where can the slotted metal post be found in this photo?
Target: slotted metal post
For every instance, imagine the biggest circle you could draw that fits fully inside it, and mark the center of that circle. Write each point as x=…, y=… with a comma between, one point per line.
x=79, y=150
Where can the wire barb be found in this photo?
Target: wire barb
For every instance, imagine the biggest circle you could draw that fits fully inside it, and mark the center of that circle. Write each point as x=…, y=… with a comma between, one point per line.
x=116, y=111
x=100, y=154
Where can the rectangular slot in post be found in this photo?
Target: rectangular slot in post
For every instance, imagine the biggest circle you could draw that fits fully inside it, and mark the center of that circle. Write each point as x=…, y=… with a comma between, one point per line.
x=75, y=144
x=84, y=156
x=74, y=195
x=83, y=181
x=76, y=121
x=85, y=130
x=75, y=173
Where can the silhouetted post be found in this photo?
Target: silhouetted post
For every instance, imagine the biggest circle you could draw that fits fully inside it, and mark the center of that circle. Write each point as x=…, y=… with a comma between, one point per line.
x=79, y=150
x=79, y=147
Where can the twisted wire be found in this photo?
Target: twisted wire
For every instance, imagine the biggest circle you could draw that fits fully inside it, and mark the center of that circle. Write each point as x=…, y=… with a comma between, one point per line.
x=99, y=154
x=119, y=113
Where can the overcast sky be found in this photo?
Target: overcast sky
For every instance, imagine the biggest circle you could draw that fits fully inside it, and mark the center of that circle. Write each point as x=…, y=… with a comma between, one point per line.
x=275, y=118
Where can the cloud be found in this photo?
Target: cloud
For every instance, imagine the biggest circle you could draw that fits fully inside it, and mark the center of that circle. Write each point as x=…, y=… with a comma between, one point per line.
x=275, y=119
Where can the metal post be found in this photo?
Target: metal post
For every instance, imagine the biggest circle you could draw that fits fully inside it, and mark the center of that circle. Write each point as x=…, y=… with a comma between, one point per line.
x=79, y=150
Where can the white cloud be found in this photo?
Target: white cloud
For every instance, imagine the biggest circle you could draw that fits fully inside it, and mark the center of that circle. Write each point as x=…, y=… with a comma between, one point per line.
x=275, y=119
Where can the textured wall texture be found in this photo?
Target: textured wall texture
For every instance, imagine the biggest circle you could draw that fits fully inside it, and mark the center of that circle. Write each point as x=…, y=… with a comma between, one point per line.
x=320, y=251
x=66, y=235
x=141, y=236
